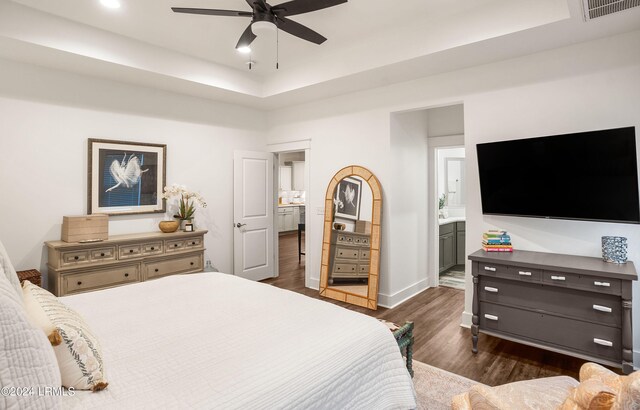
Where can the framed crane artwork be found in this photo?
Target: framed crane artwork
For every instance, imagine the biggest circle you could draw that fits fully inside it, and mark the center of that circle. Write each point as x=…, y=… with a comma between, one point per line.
x=347, y=198
x=126, y=177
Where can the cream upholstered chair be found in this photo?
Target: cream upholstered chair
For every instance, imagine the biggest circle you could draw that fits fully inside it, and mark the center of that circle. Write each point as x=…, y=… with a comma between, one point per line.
x=599, y=388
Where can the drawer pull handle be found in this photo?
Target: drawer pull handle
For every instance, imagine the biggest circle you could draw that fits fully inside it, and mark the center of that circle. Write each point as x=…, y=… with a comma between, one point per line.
x=603, y=284
x=157, y=270
x=192, y=263
x=522, y=273
x=560, y=278
x=76, y=257
x=102, y=254
x=175, y=245
x=153, y=248
x=193, y=243
x=126, y=275
x=603, y=342
x=489, y=268
x=491, y=317
x=130, y=250
x=79, y=283
x=490, y=289
x=602, y=308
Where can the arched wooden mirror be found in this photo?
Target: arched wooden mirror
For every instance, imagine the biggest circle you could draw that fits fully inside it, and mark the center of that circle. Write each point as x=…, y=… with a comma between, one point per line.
x=351, y=243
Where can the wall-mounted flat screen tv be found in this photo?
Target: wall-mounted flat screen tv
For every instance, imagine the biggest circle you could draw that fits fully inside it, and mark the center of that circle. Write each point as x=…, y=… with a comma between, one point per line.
x=589, y=176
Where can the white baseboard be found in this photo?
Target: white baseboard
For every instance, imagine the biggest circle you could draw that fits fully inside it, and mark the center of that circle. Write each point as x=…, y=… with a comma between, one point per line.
x=312, y=283
x=465, y=319
x=391, y=301
x=636, y=359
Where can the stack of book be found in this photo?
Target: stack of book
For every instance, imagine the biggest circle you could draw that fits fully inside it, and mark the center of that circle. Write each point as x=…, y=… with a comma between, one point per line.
x=496, y=241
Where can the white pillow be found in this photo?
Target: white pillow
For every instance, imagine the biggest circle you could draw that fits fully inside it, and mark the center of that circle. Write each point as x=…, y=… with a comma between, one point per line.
x=26, y=357
x=76, y=347
x=9, y=271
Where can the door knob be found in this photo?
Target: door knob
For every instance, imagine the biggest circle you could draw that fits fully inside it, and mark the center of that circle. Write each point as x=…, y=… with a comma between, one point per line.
x=239, y=225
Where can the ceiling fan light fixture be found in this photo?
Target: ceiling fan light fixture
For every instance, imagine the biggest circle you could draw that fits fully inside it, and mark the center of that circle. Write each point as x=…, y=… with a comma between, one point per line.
x=262, y=27
x=111, y=4
x=244, y=49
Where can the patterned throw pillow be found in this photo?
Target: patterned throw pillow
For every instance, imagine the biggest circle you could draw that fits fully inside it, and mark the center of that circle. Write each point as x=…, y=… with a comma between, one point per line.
x=76, y=347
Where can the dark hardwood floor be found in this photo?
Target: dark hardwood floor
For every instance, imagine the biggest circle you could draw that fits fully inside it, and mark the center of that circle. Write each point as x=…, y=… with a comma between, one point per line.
x=439, y=339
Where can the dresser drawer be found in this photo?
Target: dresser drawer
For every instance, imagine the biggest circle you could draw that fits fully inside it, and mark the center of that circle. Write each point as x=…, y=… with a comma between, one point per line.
x=100, y=278
x=186, y=264
x=344, y=239
x=525, y=274
x=193, y=243
x=103, y=254
x=73, y=258
x=586, y=282
x=592, y=339
x=493, y=269
x=363, y=269
x=174, y=246
x=129, y=251
x=365, y=254
x=347, y=253
x=361, y=240
x=345, y=269
x=152, y=248
x=604, y=309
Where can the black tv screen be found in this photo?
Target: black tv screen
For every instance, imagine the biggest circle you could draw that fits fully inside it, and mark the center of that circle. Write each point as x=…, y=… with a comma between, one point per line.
x=587, y=176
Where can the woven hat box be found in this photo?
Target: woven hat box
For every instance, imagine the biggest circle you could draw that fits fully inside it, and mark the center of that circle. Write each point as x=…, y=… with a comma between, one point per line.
x=85, y=228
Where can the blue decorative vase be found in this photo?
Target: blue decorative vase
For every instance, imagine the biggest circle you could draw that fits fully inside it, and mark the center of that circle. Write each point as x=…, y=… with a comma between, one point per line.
x=614, y=249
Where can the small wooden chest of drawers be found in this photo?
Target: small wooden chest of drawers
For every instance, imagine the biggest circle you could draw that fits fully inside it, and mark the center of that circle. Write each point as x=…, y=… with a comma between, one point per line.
x=350, y=255
x=569, y=304
x=122, y=259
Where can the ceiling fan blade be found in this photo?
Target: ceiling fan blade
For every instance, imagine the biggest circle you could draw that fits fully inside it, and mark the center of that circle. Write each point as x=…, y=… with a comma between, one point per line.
x=291, y=8
x=299, y=30
x=246, y=38
x=213, y=12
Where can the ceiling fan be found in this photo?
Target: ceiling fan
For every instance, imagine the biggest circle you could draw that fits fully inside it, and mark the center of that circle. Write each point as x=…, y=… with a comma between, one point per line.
x=267, y=17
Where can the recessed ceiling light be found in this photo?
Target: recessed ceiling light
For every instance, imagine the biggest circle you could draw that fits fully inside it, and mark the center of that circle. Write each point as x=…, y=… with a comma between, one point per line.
x=244, y=50
x=112, y=4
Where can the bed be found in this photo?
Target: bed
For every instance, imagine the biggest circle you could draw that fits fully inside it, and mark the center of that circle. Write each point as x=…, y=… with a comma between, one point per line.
x=212, y=340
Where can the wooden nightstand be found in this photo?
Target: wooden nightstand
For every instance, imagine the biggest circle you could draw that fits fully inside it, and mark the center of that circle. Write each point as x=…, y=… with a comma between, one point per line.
x=32, y=275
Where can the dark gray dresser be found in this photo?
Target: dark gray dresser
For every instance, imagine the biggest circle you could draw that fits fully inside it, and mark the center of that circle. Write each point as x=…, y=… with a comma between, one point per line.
x=577, y=305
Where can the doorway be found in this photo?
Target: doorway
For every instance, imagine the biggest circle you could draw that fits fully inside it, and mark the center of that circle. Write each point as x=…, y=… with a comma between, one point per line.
x=290, y=222
x=451, y=223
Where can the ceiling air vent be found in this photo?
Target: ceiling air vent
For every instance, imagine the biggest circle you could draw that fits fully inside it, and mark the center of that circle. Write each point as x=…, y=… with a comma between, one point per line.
x=598, y=8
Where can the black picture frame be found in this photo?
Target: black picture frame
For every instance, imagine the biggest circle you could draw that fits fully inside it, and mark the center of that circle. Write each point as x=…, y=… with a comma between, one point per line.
x=125, y=177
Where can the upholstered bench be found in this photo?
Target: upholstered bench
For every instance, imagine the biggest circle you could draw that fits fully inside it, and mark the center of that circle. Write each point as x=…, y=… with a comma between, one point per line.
x=404, y=336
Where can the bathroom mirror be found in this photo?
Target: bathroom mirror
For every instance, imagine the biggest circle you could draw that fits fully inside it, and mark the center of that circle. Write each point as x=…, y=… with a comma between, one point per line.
x=454, y=182
x=351, y=242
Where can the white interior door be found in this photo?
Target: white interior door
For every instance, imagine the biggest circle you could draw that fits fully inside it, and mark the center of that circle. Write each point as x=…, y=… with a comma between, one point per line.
x=253, y=215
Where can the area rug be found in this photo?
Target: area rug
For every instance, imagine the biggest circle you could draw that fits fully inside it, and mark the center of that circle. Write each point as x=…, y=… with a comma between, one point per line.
x=435, y=388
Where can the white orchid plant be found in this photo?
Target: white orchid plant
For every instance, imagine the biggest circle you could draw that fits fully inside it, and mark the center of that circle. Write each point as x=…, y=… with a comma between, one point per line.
x=187, y=202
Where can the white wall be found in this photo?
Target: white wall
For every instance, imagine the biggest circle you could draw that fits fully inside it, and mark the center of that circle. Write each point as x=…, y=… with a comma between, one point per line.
x=43, y=141
x=444, y=121
x=586, y=86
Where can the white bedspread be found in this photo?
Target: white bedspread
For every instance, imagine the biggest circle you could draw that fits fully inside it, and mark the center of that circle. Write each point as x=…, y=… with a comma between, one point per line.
x=217, y=341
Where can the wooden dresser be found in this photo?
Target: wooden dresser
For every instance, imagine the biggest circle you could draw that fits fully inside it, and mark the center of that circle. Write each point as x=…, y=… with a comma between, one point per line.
x=350, y=255
x=576, y=305
x=122, y=259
